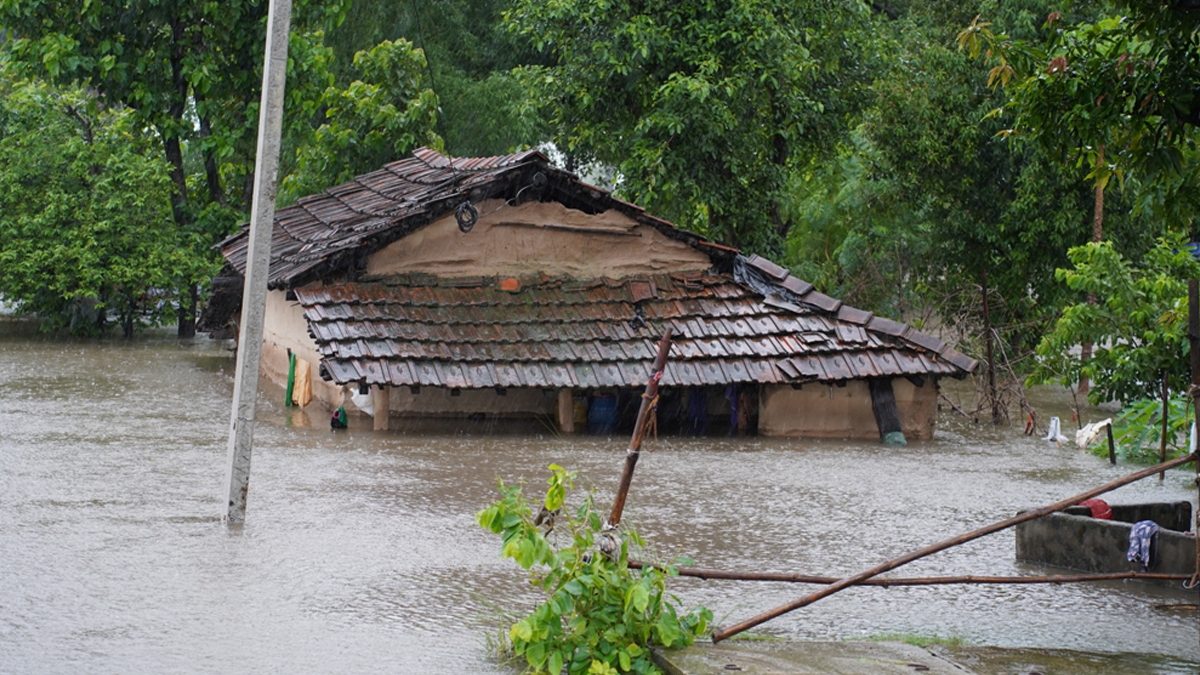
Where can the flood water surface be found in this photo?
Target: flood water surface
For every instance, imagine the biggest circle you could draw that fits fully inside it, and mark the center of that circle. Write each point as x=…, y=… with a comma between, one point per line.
x=360, y=552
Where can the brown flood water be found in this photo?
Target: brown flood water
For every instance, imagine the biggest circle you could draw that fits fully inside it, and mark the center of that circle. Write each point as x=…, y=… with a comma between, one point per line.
x=360, y=552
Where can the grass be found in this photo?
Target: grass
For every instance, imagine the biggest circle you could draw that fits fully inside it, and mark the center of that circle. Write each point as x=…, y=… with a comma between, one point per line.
x=917, y=639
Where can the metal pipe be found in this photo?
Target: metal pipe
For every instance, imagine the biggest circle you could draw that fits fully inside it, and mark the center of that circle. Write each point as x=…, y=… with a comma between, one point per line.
x=788, y=577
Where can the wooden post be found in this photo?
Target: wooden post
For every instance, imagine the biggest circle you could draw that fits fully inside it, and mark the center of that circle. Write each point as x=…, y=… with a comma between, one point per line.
x=566, y=411
x=635, y=443
x=721, y=634
x=888, y=582
x=379, y=400
x=1112, y=446
x=258, y=260
x=1162, y=449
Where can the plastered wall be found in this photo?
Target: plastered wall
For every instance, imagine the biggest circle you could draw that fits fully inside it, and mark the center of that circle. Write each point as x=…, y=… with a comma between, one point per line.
x=284, y=328
x=537, y=237
x=824, y=411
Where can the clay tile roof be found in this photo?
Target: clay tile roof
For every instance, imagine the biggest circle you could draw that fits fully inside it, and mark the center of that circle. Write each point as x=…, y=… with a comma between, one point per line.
x=744, y=320
x=548, y=334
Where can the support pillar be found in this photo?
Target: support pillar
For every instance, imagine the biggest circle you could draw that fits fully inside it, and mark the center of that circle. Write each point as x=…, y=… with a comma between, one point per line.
x=379, y=398
x=566, y=411
x=887, y=416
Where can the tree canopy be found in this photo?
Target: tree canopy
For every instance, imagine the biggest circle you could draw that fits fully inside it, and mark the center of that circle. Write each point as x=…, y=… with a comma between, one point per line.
x=1117, y=93
x=85, y=217
x=703, y=109
x=1138, y=322
x=188, y=73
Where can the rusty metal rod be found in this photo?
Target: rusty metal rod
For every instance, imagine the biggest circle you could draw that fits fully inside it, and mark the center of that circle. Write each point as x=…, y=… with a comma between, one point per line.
x=788, y=577
x=723, y=633
x=635, y=443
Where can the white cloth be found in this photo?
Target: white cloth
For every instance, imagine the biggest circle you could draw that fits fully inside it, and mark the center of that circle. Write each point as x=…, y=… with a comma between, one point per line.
x=364, y=402
x=1055, y=432
x=1088, y=435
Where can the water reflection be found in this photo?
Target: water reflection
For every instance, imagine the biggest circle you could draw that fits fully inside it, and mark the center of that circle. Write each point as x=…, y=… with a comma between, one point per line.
x=360, y=552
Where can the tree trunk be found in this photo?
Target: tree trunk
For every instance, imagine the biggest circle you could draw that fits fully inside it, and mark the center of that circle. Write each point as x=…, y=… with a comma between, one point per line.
x=171, y=143
x=212, y=175
x=1085, y=350
x=187, y=312
x=997, y=417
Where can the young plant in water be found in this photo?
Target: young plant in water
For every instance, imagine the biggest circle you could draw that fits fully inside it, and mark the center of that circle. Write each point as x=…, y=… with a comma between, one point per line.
x=600, y=617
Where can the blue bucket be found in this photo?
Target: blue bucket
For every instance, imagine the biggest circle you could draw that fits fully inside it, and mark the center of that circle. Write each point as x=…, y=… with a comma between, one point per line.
x=602, y=414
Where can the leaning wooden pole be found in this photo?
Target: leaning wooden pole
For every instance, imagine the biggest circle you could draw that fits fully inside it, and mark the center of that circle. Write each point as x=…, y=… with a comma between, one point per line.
x=723, y=633
x=789, y=577
x=635, y=444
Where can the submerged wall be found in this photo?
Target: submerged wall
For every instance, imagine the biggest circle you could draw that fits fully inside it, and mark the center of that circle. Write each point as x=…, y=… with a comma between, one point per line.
x=829, y=411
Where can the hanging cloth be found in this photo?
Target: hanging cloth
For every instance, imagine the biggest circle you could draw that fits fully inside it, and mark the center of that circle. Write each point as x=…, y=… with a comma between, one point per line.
x=302, y=391
x=1140, y=538
x=291, y=381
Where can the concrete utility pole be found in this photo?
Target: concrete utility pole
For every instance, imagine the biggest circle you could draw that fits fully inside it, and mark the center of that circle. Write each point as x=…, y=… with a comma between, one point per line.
x=258, y=261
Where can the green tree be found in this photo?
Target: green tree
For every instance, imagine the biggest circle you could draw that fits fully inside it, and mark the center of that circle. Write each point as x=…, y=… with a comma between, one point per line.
x=1118, y=93
x=1137, y=323
x=189, y=71
x=372, y=121
x=85, y=217
x=929, y=205
x=705, y=109
x=469, y=58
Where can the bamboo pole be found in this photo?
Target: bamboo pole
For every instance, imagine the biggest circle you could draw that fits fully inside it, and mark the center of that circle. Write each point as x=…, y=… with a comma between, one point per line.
x=635, y=443
x=723, y=633
x=789, y=577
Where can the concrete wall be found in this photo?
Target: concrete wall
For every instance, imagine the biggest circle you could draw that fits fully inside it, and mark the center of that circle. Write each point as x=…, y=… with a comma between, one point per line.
x=537, y=237
x=825, y=411
x=1091, y=545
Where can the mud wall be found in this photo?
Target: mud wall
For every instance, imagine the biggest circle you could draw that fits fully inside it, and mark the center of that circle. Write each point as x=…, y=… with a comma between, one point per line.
x=830, y=411
x=284, y=327
x=442, y=402
x=537, y=237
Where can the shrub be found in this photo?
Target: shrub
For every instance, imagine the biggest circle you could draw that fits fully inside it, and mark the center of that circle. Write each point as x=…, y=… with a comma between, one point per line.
x=600, y=616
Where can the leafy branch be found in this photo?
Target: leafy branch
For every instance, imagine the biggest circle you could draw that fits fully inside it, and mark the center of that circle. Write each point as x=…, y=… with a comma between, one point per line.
x=600, y=618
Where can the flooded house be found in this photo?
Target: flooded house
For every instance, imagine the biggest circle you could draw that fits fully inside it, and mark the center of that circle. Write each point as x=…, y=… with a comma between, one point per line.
x=505, y=287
